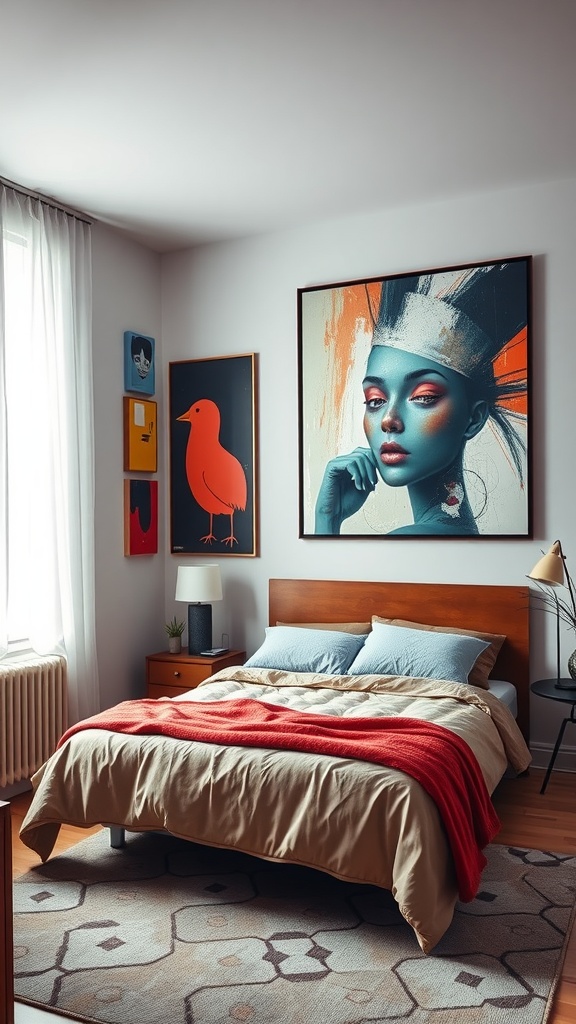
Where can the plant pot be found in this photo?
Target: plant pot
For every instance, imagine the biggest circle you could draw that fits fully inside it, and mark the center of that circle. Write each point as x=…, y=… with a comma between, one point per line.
x=572, y=664
x=174, y=644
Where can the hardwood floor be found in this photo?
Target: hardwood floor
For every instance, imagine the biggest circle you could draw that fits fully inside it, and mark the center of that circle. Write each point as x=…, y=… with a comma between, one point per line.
x=546, y=822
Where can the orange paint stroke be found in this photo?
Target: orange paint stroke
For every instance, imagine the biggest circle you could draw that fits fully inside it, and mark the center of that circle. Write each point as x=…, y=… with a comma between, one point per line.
x=349, y=306
x=510, y=366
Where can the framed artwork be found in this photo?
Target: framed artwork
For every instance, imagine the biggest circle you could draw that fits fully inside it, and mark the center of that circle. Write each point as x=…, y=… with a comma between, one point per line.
x=140, y=517
x=213, y=456
x=140, y=436
x=414, y=404
x=139, y=363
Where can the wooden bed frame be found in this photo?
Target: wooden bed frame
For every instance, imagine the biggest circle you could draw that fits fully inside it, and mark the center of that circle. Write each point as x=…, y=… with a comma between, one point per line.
x=491, y=609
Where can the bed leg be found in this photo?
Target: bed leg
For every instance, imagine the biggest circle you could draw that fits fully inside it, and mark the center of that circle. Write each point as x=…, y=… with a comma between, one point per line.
x=117, y=837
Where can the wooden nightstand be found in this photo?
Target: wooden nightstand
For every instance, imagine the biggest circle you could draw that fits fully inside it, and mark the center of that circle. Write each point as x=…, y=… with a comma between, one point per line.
x=168, y=675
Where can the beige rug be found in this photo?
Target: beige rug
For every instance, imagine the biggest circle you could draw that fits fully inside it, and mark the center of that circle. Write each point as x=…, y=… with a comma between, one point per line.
x=164, y=931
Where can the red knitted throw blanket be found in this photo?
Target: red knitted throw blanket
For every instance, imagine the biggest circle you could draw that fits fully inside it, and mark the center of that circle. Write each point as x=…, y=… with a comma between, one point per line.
x=437, y=758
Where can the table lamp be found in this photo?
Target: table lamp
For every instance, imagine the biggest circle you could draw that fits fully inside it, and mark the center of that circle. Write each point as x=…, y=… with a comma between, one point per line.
x=551, y=571
x=198, y=585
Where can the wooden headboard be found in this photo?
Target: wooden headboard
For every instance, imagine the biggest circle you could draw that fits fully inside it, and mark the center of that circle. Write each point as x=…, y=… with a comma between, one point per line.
x=466, y=606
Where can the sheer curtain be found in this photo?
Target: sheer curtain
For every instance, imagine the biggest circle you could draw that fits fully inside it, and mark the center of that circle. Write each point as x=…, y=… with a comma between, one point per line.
x=46, y=436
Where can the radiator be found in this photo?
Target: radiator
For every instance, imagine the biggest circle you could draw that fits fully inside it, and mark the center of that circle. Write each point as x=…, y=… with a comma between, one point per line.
x=33, y=715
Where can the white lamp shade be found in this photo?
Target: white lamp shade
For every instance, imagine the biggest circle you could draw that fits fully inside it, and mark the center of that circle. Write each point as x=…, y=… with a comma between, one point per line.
x=198, y=583
x=550, y=568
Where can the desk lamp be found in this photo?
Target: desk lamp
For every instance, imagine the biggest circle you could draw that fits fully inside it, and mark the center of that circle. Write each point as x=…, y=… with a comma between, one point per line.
x=551, y=571
x=199, y=585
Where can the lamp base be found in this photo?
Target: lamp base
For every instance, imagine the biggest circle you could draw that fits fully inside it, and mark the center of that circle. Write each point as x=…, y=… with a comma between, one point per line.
x=199, y=627
x=565, y=684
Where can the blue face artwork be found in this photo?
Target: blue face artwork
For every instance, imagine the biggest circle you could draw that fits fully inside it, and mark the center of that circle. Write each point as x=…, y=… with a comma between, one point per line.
x=448, y=353
x=418, y=415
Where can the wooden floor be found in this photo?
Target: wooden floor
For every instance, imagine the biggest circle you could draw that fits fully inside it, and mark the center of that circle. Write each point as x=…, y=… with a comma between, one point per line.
x=528, y=819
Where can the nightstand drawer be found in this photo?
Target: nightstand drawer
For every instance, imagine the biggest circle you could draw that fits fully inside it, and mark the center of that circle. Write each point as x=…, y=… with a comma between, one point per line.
x=176, y=673
x=169, y=675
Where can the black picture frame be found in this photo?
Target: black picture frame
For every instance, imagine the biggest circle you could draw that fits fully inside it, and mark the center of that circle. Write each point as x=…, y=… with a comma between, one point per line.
x=213, y=467
x=466, y=329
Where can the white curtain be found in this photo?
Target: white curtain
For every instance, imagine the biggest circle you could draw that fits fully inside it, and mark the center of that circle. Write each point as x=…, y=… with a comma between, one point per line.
x=57, y=491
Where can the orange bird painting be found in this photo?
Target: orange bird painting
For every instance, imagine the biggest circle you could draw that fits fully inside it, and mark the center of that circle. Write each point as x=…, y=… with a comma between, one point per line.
x=215, y=476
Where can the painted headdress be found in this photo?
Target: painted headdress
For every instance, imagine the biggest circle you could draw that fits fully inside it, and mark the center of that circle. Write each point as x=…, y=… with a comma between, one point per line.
x=460, y=319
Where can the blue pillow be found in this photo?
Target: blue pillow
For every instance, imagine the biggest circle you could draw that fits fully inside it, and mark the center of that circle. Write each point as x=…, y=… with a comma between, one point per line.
x=295, y=649
x=399, y=651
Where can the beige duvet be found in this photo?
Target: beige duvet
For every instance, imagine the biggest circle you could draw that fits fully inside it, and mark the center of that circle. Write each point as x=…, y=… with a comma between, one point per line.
x=356, y=820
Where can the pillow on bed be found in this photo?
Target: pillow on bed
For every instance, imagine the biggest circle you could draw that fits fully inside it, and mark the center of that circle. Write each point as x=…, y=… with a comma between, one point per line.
x=398, y=651
x=295, y=649
x=341, y=627
x=485, y=662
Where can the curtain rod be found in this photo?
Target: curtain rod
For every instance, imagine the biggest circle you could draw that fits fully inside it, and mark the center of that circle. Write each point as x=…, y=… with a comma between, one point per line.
x=46, y=200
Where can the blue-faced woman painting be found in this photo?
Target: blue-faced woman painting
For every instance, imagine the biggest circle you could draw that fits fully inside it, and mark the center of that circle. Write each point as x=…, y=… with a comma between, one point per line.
x=213, y=456
x=414, y=404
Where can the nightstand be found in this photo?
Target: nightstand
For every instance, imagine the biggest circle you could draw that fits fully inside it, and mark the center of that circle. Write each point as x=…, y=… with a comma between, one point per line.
x=168, y=675
x=547, y=688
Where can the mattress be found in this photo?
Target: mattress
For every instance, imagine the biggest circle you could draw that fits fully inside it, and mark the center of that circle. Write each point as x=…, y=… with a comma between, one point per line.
x=505, y=692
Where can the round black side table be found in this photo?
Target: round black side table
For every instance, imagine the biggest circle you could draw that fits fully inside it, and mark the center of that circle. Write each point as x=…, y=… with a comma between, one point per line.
x=548, y=688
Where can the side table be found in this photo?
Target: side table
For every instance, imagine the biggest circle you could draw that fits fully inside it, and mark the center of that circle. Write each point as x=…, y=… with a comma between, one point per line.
x=547, y=688
x=168, y=675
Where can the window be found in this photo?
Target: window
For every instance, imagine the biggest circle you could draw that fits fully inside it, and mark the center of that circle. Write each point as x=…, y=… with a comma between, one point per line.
x=46, y=439
x=21, y=401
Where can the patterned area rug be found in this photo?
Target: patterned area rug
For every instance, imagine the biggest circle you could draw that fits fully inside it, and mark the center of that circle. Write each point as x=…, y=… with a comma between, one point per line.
x=167, y=931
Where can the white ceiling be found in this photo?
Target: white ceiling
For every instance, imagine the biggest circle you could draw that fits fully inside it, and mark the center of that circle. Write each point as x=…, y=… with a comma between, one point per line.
x=184, y=121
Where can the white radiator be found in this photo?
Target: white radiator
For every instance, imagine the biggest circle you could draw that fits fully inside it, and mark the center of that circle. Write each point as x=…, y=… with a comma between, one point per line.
x=33, y=715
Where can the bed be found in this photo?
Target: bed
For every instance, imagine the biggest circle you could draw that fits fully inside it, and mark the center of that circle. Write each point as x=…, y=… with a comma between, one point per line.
x=358, y=820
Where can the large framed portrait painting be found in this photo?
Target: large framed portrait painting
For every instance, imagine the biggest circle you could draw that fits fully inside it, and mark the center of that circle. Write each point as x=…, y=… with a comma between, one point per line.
x=213, y=456
x=414, y=404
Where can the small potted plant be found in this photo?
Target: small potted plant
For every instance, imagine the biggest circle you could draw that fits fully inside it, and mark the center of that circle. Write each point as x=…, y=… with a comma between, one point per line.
x=174, y=630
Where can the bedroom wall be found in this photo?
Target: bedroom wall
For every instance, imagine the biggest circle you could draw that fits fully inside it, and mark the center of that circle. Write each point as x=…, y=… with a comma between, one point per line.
x=129, y=591
x=241, y=297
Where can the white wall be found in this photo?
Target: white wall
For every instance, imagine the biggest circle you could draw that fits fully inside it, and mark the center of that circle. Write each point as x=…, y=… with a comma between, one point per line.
x=222, y=299
x=129, y=591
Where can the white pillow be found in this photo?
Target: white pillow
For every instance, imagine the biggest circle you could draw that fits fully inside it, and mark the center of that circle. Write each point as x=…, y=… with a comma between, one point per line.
x=398, y=651
x=295, y=649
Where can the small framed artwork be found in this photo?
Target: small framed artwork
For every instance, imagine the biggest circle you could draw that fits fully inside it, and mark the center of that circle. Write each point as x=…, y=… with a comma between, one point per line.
x=414, y=404
x=212, y=413
x=140, y=437
x=139, y=363
x=140, y=517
